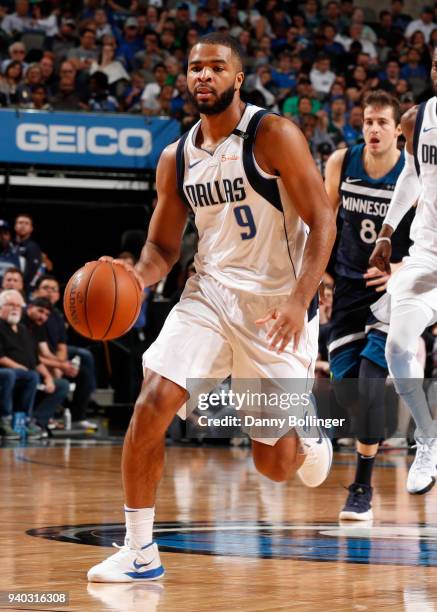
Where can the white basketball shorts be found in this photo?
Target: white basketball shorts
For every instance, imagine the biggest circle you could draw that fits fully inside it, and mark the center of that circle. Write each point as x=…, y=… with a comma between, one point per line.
x=211, y=334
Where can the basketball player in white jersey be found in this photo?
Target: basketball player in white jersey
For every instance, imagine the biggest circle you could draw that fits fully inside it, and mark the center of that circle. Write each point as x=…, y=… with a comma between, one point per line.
x=412, y=303
x=266, y=230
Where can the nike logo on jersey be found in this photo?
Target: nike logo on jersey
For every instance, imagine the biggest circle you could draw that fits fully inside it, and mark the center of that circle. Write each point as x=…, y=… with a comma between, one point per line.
x=194, y=164
x=429, y=129
x=351, y=180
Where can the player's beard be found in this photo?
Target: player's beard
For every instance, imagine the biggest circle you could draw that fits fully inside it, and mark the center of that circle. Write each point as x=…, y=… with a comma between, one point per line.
x=219, y=106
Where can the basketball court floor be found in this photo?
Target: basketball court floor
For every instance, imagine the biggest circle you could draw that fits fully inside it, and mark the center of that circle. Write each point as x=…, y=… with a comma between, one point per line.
x=230, y=539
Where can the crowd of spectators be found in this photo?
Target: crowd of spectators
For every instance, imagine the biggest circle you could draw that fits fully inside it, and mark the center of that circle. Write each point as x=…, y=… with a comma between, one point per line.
x=310, y=60
x=38, y=367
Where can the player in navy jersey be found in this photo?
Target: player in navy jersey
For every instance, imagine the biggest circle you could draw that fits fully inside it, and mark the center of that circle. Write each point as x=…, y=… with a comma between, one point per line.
x=266, y=230
x=360, y=183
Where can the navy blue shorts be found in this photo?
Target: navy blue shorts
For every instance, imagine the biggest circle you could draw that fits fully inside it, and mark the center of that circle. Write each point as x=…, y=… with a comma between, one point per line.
x=354, y=331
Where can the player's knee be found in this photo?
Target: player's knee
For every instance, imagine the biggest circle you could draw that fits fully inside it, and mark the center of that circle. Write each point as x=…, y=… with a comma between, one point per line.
x=393, y=352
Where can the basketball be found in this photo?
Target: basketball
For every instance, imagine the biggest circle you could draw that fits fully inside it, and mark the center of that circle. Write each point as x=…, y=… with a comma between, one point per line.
x=102, y=300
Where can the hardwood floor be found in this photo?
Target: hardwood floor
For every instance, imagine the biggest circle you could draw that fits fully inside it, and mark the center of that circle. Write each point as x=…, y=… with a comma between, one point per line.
x=229, y=537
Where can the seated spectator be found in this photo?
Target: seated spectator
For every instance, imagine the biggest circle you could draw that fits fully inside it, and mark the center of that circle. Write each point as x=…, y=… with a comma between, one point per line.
x=48, y=74
x=9, y=257
x=314, y=129
x=56, y=389
x=424, y=24
x=131, y=98
x=353, y=130
x=284, y=76
x=356, y=35
x=67, y=97
x=113, y=69
x=151, y=55
x=44, y=19
x=321, y=76
x=413, y=69
x=65, y=40
x=19, y=21
x=400, y=19
x=33, y=76
x=28, y=250
x=102, y=24
x=13, y=279
x=101, y=100
x=38, y=98
x=332, y=48
x=338, y=119
x=180, y=97
x=130, y=43
x=48, y=287
x=173, y=67
x=18, y=353
x=17, y=52
x=417, y=41
x=202, y=22
x=386, y=31
x=161, y=106
x=152, y=90
x=304, y=88
x=389, y=77
x=367, y=32
x=10, y=82
x=86, y=53
x=311, y=13
x=264, y=84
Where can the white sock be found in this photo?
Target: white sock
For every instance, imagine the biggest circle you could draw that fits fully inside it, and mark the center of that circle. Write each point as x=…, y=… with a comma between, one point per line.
x=139, y=526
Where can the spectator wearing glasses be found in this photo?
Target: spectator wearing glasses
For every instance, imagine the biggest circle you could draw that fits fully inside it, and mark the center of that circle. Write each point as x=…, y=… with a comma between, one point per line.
x=18, y=355
x=60, y=354
x=17, y=52
x=67, y=97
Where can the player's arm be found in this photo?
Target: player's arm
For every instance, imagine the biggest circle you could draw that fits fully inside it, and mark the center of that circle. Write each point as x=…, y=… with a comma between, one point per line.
x=167, y=225
x=333, y=176
x=406, y=192
x=282, y=149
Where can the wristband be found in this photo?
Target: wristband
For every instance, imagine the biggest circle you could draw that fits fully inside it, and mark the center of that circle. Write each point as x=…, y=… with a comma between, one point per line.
x=383, y=239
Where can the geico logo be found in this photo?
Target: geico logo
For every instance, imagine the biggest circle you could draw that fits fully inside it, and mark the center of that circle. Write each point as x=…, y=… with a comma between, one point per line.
x=37, y=137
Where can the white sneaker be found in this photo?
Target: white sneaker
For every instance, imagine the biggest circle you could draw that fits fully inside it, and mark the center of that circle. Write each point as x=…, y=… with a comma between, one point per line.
x=129, y=565
x=318, y=460
x=423, y=471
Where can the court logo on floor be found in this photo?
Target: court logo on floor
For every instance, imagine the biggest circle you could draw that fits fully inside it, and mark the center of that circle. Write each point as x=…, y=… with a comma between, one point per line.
x=382, y=544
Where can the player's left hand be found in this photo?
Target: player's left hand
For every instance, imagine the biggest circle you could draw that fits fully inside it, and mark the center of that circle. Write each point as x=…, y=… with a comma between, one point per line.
x=376, y=278
x=289, y=319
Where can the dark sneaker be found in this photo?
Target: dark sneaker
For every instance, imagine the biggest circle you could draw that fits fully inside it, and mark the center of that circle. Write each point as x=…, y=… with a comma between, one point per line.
x=6, y=430
x=358, y=505
x=34, y=432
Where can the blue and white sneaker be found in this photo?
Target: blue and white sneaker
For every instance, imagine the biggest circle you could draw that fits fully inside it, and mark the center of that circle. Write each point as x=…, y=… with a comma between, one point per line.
x=358, y=505
x=129, y=565
x=318, y=460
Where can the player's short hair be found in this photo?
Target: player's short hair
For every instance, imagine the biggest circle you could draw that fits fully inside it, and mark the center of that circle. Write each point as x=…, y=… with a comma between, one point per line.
x=226, y=40
x=381, y=98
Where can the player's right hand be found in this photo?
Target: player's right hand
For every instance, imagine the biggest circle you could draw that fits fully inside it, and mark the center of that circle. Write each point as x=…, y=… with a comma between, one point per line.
x=127, y=266
x=380, y=257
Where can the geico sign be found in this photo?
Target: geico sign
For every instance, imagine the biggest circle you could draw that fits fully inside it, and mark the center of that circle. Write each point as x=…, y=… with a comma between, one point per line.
x=37, y=137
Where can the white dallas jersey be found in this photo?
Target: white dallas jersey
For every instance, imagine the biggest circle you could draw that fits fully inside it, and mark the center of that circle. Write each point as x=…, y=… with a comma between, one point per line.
x=250, y=235
x=424, y=226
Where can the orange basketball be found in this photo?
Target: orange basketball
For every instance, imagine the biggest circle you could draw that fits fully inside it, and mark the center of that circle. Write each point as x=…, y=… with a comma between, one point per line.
x=102, y=300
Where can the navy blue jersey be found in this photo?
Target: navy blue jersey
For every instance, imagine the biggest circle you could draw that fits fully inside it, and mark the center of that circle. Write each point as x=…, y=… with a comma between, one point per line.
x=364, y=205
